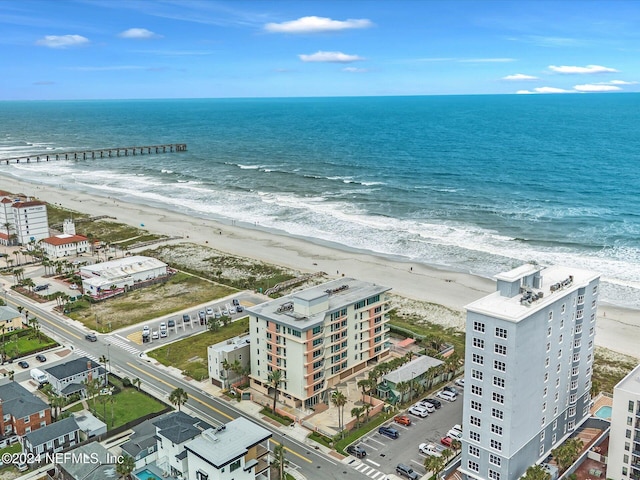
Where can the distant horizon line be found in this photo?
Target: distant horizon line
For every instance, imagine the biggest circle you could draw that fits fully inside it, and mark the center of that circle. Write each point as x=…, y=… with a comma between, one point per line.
x=571, y=94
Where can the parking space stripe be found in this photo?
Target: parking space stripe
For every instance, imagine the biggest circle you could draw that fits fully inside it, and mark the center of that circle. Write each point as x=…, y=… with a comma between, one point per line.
x=374, y=440
x=372, y=472
x=368, y=446
x=373, y=463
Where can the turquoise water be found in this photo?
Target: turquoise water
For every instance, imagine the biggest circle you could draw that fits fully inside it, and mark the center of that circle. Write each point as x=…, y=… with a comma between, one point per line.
x=472, y=183
x=604, y=412
x=147, y=475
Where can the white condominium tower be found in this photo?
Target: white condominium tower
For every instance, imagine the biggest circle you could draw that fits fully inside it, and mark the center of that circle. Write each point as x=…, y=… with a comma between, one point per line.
x=316, y=337
x=528, y=357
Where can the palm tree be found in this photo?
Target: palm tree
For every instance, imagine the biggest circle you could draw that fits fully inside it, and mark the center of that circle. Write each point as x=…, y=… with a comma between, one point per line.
x=402, y=388
x=446, y=454
x=92, y=388
x=456, y=444
x=434, y=464
x=279, y=462
x=357, y=412
x=536, y=472
x=226, y=366
x=364, y=385
x=11, y=375
x=136, y=382
x=178, y=397
x=4, y=349
x=275, y=379
x=366, y=407
x=339, y=400
x=125, y=466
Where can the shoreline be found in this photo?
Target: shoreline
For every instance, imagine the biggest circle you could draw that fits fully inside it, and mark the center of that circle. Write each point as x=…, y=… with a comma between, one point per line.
x=617, y=328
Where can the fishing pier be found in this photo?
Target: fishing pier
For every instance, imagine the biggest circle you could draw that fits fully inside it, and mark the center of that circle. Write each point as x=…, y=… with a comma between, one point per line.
x=98, y=153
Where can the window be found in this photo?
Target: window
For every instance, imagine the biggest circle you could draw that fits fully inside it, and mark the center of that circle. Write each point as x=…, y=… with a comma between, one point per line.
x=544, y=392
x=543, y=421
x=200, y=475
x=495, y=413
x=474, y=451
x=476, y=390
x=495, y=459
x=548, y=347
x=501, y=332
x=563, y=308
x=546, y=362
x=550, y=316
x=478, y=327
x=595, y=289
x=541, y=450
x=474, y=421
x=478, y=342
x=560, y=339
x=500, y=349
x=479, y=359
x=498, y=398
x=494, y=475
x=546, y=376
x=562, y=323
x=559, y=353
x=500, y=366
x=549, y=332
x=498, y=382
x=473, y=466
x=542, y=436
x=475, y=436
x=317, y=330
x=631, y=406
x=555, y=424
x=496, y=445
x=477, y=406
x=544, y=406
x=477, y=374
x=497, y=429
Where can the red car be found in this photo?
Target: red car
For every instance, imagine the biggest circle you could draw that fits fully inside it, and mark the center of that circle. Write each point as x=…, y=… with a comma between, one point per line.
x=446, y=441
x=402, y=420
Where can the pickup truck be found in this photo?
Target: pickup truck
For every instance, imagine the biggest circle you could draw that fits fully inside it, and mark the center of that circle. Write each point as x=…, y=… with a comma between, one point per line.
x=430, y=449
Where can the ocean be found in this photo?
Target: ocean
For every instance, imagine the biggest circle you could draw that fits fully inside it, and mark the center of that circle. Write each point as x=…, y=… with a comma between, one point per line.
x=477, y=184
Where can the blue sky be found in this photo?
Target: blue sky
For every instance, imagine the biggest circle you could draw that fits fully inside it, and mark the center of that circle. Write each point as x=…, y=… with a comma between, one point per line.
x=105, y=49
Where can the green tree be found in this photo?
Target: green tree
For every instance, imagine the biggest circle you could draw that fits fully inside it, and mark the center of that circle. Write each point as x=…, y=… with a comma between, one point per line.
x=567, y=453
x=339, y=400
x=279, y=461
x=92, y=387
x=356, y=412
x=365, y=385
x=366, y=407
x=275, y=379
x=402, y=388
x=137, y=382
x=434, y=464
x=125, y=466
x=536, y=472
x=178, y=397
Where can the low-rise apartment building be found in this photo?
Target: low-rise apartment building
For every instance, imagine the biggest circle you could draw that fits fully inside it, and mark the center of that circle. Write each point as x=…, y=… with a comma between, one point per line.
x=230, y=351
x=317, y=337
x=21, y=412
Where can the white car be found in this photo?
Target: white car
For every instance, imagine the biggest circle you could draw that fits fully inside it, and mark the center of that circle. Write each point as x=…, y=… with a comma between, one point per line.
x=455, y=434
x=430, y=449
x=457, y=427
x=419, y=411
x=155, y=335
x=73, y=286
x=210, y=311
x=445, y=395
x=430, y=408
x=145, y=330
x=460, y=382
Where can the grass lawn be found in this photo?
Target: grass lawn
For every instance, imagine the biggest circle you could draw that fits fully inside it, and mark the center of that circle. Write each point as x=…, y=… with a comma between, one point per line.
x=23, y=345
x=190, y=354
x=56, y=214
x=76, y=408
x=128, y=405
x=180, y=292
x=425, y=329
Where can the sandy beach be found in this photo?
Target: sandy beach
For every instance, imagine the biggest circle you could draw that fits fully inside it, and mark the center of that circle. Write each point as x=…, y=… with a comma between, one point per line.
x=618, y=329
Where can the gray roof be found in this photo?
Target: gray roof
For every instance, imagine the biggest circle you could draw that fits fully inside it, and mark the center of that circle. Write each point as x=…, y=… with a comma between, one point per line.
x=74, y=367
x=180, y=427
x=8, y=313
x=19, y=402
x=143, y=437
x=53, y=431
x=339, y=294
x=88, y=422
x=72, y=388
x=413, y=369
x=90, y=470
x=220, y=447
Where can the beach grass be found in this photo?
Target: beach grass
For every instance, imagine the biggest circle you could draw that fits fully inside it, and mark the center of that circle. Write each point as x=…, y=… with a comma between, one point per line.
x=190, y=354
x=609, y=368
x=179, y=292
x=113, y=232
x=424, y=331
x=56, y=214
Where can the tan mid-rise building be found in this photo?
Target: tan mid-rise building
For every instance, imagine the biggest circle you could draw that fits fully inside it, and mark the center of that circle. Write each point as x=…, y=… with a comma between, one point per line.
x=317, y=337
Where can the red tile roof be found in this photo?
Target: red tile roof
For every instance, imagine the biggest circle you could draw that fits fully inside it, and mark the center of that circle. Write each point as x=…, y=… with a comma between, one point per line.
x=33, y=203
x=64, y=240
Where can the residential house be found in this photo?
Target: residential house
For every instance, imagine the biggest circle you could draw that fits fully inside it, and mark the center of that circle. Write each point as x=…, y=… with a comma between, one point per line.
x=420, y=370
x=142, y=445
x=91, y=461
x=70, y=377
x=10, y=319
x=21, y=412
x=90, y=425
x=52, y=438
x=64, y=245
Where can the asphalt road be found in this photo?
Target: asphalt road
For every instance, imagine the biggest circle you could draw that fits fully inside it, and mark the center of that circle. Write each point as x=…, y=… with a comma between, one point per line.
x=311, y=463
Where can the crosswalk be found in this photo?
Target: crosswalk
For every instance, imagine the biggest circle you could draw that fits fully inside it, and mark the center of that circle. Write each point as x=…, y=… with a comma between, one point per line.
x=370, y=472
x=82, y=353
x=120, y=342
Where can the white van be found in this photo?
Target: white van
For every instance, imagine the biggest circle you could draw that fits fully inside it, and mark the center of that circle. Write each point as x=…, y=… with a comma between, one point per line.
x=39, y=376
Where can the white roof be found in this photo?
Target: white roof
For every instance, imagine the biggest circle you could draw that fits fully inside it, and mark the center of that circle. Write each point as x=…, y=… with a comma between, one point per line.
x=122, y=267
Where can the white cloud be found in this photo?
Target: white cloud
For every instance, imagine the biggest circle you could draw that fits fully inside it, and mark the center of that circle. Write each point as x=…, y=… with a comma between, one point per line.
x=354, y=69
x=333, y=57
x=596, y=88
x=315, y=24
x=616, y=82
x=525, y=92
x=62, y=41
x=519, y=77
x=138, y=33
x=587, y=69
x=545, y=90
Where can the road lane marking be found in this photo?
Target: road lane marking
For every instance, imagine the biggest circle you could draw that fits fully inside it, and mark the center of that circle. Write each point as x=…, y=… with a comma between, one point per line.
x=292, y=451
x=55, y=324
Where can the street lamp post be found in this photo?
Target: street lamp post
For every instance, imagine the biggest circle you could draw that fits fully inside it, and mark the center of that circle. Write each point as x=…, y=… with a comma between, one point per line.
x=108, y=359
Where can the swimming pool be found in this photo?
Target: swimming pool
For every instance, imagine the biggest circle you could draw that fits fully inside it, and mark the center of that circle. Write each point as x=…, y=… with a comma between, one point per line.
x=147, y=475
x=604, y=412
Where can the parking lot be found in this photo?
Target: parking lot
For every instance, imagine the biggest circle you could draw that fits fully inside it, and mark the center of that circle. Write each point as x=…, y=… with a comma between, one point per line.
x=384, y=453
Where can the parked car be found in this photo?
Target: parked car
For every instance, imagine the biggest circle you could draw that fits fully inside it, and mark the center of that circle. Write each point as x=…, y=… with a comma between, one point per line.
x=41, y=358
x=186, y=318
x=457, y=427
x=446, y=395
x=402, y=420
x=23, y=364
x=236, y=302
x=453, y=390
x=460, y=382
x=39, y=288
x=389, y=432
x=454, y=434
x=73, y=286
x=446, y=441
x=201, y=315
x=436, y=403
x=22, y=467
x=356, y=451
x=171, y=323
x=155, y=335
x=419, y=411
x=145, y=330
x=239, y=309
x=210, y=311
x=225, y=311
x=406, y=471
x=91, y=337
x=430, y=408
x=430, y=449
